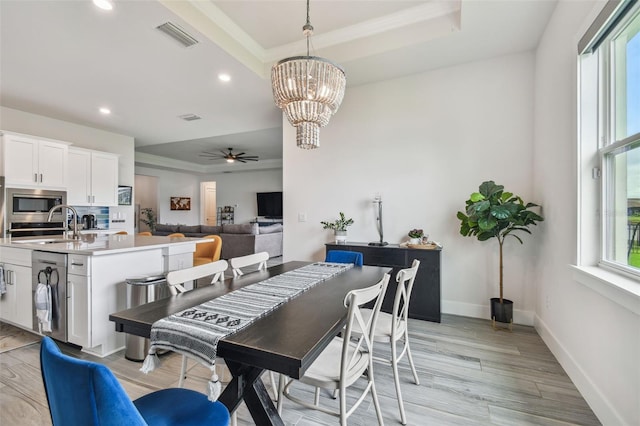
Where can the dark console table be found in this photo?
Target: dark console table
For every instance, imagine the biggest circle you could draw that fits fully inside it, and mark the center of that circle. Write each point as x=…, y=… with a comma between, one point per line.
x=425, y=298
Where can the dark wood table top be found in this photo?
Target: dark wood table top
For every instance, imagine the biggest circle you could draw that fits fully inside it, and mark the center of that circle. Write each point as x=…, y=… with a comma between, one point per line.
x=287, y=340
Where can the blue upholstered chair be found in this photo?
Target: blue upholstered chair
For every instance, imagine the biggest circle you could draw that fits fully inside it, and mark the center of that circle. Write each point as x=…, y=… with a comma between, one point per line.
x=343, y=256
x=86, y=393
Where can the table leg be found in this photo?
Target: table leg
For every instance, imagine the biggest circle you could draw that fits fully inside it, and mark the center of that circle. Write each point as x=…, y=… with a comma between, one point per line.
x=246, y=385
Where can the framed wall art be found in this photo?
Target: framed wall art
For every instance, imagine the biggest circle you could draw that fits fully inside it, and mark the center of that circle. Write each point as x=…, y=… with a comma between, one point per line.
x=180, y=203
x=124, y=195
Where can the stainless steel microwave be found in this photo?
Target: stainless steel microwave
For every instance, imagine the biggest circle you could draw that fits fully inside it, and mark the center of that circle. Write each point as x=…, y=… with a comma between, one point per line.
x=33, y=205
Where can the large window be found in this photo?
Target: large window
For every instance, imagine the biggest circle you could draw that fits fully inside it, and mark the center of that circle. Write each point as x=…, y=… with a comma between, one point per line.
x=618, y=95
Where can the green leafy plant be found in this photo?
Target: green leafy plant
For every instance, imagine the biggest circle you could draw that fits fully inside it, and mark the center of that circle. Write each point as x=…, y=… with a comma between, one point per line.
x=494, y=213
x=339, y=224
x=416, y=233
x=149, y=218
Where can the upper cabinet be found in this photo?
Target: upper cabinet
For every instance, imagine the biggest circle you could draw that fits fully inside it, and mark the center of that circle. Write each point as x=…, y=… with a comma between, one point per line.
x=93, y=178
x=31, y=162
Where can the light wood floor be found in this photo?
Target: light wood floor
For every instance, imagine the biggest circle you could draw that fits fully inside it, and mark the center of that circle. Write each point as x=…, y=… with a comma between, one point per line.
x=469, y=375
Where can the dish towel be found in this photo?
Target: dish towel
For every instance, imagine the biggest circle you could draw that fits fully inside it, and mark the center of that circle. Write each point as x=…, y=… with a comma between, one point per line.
x=3, y=284
x=42, y=300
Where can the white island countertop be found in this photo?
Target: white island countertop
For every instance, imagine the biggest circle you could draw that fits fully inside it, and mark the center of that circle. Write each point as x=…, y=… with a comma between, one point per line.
x=96, y=245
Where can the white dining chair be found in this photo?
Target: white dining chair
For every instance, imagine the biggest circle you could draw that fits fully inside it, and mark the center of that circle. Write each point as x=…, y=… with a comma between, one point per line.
x=175, y=281
x=347, y=357
x=259, y=259
x=392, y=328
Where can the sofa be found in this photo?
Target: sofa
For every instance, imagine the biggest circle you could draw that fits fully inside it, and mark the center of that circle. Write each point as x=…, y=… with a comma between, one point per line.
x=237, y=239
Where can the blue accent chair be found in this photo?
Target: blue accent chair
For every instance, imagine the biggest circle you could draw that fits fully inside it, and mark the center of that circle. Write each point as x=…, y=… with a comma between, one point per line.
x=343, y=256
x=85, y=393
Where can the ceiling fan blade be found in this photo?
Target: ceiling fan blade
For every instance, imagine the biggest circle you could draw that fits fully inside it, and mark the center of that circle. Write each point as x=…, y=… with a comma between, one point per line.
x=238, y=155
x=240, y=160
x=249, y=159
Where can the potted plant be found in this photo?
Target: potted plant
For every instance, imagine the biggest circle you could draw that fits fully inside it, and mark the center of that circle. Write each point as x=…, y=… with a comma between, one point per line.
x=494, y=213
x=149, y=218
x=339, y=227
x=415, y=236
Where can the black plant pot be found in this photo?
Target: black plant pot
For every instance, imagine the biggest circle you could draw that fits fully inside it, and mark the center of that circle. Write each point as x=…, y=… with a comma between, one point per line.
x=502, y=312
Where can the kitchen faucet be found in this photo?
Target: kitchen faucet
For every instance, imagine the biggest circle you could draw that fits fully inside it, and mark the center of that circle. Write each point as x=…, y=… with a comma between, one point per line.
x=75, y=218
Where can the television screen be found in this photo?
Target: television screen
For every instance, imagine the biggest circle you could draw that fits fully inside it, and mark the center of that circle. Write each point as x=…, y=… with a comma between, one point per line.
x=270, y=204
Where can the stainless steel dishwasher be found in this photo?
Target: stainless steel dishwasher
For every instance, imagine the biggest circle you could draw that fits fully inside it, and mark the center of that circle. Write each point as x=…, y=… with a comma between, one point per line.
x=51, y=268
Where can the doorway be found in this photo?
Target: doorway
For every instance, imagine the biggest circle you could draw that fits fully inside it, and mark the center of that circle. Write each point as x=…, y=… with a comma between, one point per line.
x=208, y=211
x=146, y=197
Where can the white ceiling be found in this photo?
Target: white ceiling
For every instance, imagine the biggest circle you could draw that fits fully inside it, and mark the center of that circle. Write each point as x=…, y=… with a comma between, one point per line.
x=66, y=59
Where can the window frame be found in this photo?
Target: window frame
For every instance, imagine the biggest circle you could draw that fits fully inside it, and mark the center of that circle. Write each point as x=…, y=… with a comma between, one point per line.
x=608, y=146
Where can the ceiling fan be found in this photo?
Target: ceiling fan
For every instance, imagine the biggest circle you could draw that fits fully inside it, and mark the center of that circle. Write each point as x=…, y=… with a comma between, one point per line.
x=230, y=157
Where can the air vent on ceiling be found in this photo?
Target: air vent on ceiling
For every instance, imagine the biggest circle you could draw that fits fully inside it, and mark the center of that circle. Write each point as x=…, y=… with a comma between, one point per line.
x=189, y=117
x=178, y=34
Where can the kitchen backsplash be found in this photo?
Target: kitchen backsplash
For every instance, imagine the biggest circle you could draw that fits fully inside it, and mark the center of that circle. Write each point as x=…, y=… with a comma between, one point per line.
x=101, y=213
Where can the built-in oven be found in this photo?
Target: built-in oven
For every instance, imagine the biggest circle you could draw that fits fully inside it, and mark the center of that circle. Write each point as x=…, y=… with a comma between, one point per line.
x=33, y=205
x=27, y=211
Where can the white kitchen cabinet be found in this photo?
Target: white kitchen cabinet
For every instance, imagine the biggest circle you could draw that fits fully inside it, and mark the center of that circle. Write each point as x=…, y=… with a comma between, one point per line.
x=96, y=283
x=16, y=305
x=79, y=301
x=32, y=162
x=93, y=178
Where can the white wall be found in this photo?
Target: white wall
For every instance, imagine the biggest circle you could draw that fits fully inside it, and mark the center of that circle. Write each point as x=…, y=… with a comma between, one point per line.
x=175, y=184
x=596, y=340
x=241, y=187
x=231, y=188
x=80, y=136
x=424, y=142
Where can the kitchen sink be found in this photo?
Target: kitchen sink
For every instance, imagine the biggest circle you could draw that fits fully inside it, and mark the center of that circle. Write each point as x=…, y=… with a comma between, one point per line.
x=46, y=241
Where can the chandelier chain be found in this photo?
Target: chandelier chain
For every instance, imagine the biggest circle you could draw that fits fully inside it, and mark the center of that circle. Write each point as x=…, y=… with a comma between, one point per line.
x=307, y=29
x=309, y=90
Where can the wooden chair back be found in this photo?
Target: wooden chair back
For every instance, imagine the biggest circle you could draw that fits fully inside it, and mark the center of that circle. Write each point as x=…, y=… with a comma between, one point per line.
x=248, y=260
x=363, y=325
x=400, y=311
x=175, y=279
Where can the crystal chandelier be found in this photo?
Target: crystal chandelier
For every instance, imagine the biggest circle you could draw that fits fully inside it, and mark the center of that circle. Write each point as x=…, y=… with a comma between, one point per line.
x=309, y=89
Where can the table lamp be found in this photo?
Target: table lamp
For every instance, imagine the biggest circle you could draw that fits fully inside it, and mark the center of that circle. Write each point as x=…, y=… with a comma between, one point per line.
x=378, y=201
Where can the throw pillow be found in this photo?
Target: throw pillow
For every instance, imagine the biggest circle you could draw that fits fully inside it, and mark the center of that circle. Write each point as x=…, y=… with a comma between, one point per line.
x=194, y=229
x=160, y=227
x=271, y=229
x=211, y=230
x=246, y=228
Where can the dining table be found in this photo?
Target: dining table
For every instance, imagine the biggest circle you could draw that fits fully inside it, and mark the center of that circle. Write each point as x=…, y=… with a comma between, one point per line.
x=285, y=341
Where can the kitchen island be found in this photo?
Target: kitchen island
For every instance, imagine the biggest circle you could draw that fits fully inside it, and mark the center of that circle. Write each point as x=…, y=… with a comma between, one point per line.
x=97, y=269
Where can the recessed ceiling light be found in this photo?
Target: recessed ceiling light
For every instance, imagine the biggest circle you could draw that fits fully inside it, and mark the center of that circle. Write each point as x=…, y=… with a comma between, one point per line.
x=224, y=77
x=105, y=111
x=103, y=4
x=189, y=117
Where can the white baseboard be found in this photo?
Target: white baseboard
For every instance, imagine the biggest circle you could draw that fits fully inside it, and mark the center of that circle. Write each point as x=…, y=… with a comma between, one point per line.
x=483, y=311
x=598, y=402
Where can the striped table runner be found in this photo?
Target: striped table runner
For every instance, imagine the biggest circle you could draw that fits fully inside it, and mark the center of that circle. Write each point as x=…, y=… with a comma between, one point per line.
x=195, y=332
